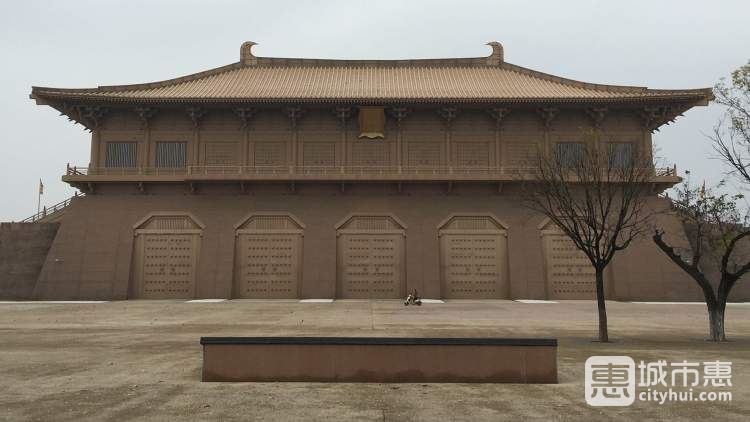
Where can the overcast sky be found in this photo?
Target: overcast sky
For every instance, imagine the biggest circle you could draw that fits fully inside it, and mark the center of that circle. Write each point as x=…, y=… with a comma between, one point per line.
x=659, y=44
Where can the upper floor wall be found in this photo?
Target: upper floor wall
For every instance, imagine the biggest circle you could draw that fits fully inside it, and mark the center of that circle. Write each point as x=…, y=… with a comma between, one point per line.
x=295, y=139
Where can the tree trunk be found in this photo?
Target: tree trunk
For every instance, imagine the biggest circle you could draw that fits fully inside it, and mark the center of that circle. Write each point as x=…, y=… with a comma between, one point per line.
x=716, y=320
x=603, y=335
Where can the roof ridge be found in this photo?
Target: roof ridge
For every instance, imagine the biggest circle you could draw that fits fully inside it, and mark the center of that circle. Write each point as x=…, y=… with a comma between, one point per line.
x=301, y=61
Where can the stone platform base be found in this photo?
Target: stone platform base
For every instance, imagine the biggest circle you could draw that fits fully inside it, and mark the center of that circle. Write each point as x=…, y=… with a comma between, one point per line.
x=379, y=359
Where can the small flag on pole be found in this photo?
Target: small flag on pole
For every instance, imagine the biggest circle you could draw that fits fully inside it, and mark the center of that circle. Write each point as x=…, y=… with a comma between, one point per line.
x=41, y=187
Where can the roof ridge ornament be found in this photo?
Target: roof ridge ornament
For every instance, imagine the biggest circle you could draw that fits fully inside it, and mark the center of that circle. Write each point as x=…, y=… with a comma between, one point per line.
x=246, y=53
x=497, y=56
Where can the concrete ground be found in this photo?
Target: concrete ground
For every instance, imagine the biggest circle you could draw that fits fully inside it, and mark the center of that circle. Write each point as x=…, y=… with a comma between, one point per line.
x=141, y=360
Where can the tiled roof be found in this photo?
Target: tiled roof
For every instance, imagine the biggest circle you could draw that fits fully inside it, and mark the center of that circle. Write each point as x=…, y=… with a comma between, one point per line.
x=301, y=80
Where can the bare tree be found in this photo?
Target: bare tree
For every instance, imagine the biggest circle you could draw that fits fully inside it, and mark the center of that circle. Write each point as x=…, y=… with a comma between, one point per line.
x=714, y=222
x=731, y=136
x=715, y=226
x=597, y=196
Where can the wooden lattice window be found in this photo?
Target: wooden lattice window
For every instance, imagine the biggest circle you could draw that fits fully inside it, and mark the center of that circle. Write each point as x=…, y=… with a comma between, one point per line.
x=423, y=154
x=319, y=154
x=472, y=154
x=171, y=154
x=369, y=153
x=569, y=154
x=620, y=154
x=269, y=153
x=221, y=153
x=521, y=153
x=120, y=154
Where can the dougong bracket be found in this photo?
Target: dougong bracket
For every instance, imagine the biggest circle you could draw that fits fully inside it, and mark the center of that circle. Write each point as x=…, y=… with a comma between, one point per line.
x=548, y=114
x=145, y=114
x=294, y=114
x=498, y=114
x=399, y=113
x=195, y=114
x=88, y=116
x=655, y=116
x=245, y=114
x=597, y=115
x=343, y=114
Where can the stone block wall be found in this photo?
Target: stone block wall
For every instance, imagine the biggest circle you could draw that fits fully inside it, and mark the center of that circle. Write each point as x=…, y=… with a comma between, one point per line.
x=23, y=249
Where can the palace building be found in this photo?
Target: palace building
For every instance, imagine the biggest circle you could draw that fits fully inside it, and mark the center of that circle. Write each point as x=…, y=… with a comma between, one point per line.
x=316, y=178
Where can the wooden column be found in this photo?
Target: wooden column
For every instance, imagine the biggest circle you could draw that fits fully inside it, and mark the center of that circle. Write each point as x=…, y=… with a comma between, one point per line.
x=95, y=147
x=342, y=114
x=597, y=115
x=399, y=113
x=145, y=114
x=146, y=148
x=91, y=117
x=195, y=114
x=652, y=118
x=294, y=114
x=547, y=114
x=342, y=159
x=448, y=114
x=498, y=114
x=245, y=114
x=249, y=158
x=197, y=147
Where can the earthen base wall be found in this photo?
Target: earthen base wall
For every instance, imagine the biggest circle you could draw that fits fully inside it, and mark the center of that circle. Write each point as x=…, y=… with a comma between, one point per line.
x=23, y=249
x=92, y=254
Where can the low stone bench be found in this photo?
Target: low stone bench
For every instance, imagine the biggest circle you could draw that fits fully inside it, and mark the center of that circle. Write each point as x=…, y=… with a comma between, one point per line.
x=379, y=359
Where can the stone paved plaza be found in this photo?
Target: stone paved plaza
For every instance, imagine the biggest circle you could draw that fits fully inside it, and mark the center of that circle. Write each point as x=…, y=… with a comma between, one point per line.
x=141, y=360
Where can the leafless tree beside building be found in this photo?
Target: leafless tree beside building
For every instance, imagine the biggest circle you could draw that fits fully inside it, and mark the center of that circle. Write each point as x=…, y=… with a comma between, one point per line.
x=715, y=226
x=597, y=195
x=731, y=136
x=715, y=223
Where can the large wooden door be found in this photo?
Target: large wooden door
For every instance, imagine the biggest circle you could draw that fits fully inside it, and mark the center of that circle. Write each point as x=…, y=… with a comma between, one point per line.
x=473, y=258
x=165, y=257
x=268, y=263
x=371, y=258
x=570, y=274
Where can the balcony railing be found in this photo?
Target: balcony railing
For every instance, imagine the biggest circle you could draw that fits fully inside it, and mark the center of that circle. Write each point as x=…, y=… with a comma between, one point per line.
x=215, y=172
x=46, y=212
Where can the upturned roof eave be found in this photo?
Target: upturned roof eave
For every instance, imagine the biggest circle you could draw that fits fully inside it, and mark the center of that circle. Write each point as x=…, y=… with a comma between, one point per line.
x=119, y=93
x=699, y=96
